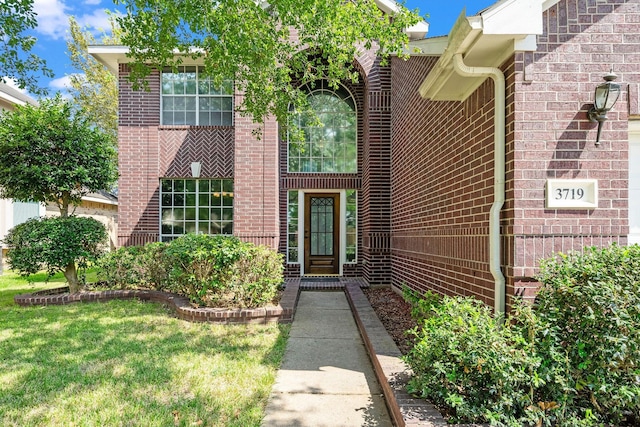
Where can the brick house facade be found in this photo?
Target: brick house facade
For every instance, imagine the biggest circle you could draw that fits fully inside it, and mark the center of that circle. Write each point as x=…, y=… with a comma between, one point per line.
x=424, y=186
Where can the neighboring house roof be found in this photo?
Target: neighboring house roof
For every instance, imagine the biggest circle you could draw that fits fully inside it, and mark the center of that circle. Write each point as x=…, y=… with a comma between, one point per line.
x=13, y=96
x=102, y=196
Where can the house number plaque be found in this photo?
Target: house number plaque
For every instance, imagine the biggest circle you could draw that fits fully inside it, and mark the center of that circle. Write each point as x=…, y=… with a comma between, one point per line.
x=572, y=194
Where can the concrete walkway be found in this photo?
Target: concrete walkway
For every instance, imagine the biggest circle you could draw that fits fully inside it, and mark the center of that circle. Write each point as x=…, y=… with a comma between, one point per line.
x=326, y=378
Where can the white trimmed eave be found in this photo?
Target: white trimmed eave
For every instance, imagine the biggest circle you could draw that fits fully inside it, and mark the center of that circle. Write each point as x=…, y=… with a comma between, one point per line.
x=434, y=46
x=14, y=97
x=415, y=32
x=484, y=40
x=100, y=200
x=112, y=55
x=11, y=99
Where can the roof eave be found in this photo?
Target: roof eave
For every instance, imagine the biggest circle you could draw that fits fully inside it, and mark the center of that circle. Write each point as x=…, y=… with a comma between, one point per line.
x=486, y=39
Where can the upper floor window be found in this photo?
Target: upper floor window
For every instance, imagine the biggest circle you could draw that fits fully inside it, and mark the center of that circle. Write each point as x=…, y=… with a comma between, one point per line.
x=331, y=146
x=191, y=98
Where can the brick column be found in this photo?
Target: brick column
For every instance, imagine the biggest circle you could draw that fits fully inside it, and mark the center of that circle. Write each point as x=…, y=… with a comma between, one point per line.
x=256, y=195
x=138, y=158
x=376, y=178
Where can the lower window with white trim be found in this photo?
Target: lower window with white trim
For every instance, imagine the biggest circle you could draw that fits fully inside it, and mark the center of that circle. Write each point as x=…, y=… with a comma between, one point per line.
x=351, y=223
x=292, y=227
x=203, y=206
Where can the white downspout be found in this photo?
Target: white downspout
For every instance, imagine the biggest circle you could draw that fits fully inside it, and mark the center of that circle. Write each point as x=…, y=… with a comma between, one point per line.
x=498, y=172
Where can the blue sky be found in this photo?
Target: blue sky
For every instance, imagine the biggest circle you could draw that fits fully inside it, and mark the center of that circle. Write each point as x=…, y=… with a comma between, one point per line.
x=53, y=25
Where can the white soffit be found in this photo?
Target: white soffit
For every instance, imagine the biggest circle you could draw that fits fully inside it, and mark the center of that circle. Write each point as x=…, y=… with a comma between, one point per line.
x=112, y=55
x=109, y=55
x=485, y=40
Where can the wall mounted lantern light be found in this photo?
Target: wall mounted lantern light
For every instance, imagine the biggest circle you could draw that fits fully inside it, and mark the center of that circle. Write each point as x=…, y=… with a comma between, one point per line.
x=195, y=169
x=607, y=94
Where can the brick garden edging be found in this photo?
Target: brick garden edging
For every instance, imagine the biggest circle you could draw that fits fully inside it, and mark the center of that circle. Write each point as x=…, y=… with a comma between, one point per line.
x=282, y=313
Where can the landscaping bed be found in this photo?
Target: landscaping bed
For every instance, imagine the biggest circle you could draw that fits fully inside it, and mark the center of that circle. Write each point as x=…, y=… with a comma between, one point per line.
x=394, y=313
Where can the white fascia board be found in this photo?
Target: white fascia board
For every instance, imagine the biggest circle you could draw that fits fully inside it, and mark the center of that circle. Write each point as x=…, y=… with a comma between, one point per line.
x=11, y=99
x=528, y=43
x=107, y=48
x=111, y=55
x=418, y=31
x=388, y=6
x=517, y=17
x=482, y=39
x=415, y=32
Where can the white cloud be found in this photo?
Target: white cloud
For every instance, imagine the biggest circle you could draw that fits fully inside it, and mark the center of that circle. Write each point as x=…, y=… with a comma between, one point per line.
x=98, y=20
x=60, y=83
x=52, y=19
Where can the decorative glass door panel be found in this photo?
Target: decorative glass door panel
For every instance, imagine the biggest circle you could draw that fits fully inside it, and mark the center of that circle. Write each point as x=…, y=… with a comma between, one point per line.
x=321, y=233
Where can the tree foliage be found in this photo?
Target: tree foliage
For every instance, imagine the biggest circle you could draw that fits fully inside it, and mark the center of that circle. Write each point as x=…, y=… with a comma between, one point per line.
x=268, y=48
x=95, y=89
x=55, y=244
x=17, y=62
x=51, y=153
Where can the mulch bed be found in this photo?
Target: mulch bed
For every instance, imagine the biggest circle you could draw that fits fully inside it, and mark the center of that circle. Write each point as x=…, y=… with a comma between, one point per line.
x=394, y=313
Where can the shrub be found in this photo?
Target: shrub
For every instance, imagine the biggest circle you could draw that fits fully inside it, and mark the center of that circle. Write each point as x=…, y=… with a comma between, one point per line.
x=134, y=267
x=120, y=269
x=55, y=244
x=573, y=359
x=155, y=265
x=469, y=361
x=257, y=278
x=589, y=334
x=215, y=271
x=223, y=271
x=201, y=265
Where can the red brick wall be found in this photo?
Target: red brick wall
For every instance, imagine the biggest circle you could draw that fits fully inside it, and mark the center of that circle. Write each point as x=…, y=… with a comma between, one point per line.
x=442, y=157
x=323, y=181
x=138, y=157
x=372, y=181
x=256, y=195
x=376, y=176
x=148, y=152
x=551, y=91
x=443, y=167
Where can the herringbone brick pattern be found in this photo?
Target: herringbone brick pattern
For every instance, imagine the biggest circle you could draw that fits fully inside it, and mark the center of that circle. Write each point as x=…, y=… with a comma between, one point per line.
x=213, y=147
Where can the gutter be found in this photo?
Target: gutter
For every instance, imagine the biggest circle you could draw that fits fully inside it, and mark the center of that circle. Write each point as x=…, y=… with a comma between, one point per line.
x=495, y=254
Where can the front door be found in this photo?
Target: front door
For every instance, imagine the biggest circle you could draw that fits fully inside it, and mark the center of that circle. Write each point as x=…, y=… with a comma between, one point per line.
x=321, y=234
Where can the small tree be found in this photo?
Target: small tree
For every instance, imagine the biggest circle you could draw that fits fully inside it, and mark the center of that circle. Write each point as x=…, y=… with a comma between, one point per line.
x=55, y=244
x=52, y=153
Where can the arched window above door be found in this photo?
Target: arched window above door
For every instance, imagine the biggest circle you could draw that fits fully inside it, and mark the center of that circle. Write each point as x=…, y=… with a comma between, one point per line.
x=331, y=146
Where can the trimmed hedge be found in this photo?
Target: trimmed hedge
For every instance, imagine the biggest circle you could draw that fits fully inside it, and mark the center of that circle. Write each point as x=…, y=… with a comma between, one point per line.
x=211, y=270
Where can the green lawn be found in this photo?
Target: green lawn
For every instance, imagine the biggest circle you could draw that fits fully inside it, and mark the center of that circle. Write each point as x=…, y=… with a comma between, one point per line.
x=127, y=363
